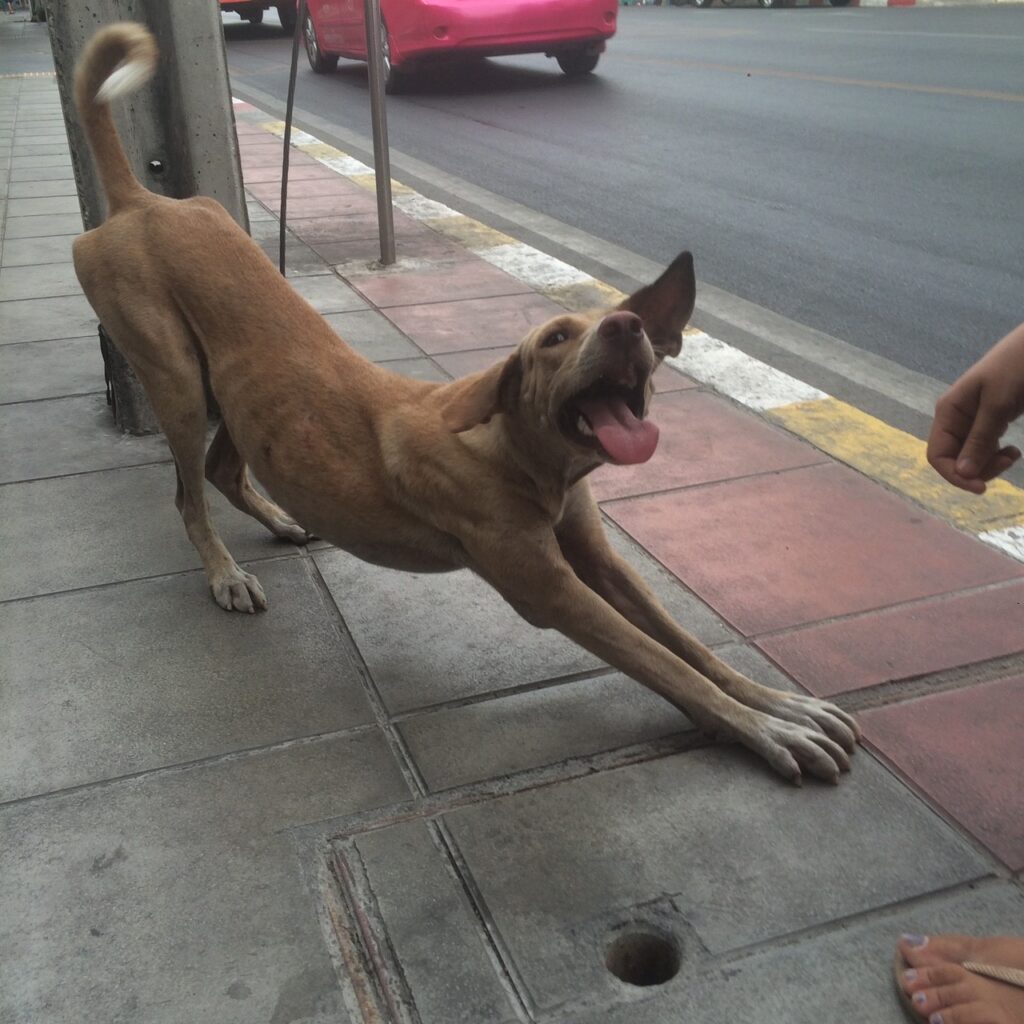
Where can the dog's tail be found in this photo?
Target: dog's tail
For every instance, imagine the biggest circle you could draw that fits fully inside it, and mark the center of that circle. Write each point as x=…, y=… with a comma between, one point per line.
x=117, y=60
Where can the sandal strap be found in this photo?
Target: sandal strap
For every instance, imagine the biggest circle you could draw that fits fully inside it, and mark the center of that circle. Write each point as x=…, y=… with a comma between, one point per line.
x=1011, y=975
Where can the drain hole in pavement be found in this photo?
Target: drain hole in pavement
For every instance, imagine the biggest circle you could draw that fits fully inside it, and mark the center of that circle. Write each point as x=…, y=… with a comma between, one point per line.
x=644, y=958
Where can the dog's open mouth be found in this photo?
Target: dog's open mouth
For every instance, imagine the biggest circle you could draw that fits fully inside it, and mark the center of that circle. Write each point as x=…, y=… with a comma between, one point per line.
x=609, y=418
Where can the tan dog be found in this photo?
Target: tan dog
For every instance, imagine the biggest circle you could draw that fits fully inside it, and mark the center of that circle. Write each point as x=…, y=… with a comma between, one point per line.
x=487, y=472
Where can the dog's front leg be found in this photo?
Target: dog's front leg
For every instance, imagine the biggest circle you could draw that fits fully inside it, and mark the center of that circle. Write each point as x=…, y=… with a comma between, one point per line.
x=534, y=577
x=585, y=545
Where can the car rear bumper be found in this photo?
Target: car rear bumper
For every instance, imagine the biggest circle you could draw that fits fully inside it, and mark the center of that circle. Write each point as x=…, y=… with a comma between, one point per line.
x=540, y=26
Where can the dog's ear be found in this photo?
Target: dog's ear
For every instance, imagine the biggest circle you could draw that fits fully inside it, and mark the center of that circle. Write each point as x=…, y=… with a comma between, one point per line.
x=666, y=306
x=475, y=399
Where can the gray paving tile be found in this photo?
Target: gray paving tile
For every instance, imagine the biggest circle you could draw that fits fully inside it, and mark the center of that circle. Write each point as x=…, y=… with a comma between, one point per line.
x=50, y=224
x=373, y=335
x=41, y=206
x=442, y=960
x=300, y=260
x=742, y=857
x=38, y=282
x=526, y=730
x=512, y=733
x=173, y=897
x=328, y=294
x=433, y=638
x=437, y=637
x=23, y=252
x=36, y=189
x=49, y=369
x=42, y=174
x=50, y=149
x=81, y=531
x=148, y=674
x=69, y=435
x=67, y=316
x=257, y=211
x=842, y=975
x=421, y=369
x=31, y=161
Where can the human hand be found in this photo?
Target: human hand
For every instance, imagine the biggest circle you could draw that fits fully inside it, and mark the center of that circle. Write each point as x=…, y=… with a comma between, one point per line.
x=972, y=416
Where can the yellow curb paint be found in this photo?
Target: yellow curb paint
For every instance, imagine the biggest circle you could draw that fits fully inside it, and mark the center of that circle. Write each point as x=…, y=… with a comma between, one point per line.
x=274, y=127
x=585, y=296
x=471, y=233
x=320, y=150
x=369, y=181
x=897, y=459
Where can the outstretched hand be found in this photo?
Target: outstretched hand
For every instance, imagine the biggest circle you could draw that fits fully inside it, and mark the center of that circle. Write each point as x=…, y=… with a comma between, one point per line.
x=972, y=416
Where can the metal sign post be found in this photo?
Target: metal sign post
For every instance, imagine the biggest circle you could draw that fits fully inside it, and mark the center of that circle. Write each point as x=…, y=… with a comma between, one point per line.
x=378, y=115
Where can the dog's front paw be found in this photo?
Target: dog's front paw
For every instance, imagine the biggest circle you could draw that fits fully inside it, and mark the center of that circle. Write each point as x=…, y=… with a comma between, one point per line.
x=792, y=748
x=238, y=591
x=833, y=721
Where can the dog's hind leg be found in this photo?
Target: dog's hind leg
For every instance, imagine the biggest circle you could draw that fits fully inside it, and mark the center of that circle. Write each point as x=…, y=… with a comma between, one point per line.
x=163, y=355
x=227, y=471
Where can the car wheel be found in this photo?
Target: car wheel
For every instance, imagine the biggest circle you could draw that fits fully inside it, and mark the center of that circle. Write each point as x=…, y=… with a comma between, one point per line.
x=839, y=3
x=255, y=17
x=322, y=63
x=287, y=14
x=394, y=80
x=702, y=3
x=577, y=62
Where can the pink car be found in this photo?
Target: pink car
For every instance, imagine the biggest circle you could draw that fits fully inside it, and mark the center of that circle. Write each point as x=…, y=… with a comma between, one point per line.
x=415, y=31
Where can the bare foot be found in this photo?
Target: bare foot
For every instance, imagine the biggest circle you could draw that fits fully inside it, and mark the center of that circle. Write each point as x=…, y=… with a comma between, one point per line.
x=943, y=992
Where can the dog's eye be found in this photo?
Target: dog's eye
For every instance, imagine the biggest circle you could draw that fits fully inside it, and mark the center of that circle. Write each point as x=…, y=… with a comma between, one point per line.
x=554, y=338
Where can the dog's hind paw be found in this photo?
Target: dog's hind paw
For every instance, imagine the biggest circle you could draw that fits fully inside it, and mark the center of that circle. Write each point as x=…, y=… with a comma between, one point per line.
x=238, y=591
x=287, y=529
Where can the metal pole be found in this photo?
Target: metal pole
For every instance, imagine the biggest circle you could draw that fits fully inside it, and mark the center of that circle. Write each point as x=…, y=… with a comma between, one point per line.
x=178, y=131
x=378, y=116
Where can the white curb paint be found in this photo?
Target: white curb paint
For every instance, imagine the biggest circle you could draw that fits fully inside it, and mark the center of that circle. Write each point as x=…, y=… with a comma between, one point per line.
x=742, y=377
x=531, y=266
x=1010, y=541
x=422, y=208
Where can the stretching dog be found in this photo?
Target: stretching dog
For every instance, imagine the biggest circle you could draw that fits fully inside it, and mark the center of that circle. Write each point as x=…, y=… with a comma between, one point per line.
x=487, y=472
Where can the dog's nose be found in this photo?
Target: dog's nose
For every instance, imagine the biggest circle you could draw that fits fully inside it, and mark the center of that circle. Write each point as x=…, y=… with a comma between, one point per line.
x=622, y=327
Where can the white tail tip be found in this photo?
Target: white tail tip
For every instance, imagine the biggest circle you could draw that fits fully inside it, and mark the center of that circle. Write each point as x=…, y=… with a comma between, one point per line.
x=124, y=79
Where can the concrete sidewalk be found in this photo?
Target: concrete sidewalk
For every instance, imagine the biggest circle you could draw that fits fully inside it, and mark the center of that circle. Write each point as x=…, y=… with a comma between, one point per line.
x=387, y=798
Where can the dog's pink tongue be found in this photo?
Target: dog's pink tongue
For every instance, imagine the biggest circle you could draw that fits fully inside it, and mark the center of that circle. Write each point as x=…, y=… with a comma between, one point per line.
x=626, y=439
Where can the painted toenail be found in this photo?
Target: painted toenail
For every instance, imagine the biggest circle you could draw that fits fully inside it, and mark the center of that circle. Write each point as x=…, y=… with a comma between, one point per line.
x=915, y=940
x=935, y=1018
x=910, y=975
x=920, y=999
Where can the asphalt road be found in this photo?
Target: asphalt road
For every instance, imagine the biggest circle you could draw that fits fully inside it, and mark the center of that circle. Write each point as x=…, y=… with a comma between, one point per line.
x=860, y=171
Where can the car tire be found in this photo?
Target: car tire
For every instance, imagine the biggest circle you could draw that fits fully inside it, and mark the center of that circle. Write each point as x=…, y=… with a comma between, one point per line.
x=288, y=15
x=255, y=17
x=770, y=3
x=839, y=3
x=702, y=3
x=395, y=81
x=322, y=63
x=576, y=63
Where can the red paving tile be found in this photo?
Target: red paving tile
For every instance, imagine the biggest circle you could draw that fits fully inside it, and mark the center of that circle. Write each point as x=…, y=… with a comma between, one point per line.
x=270, y=172
x=270, y=191
x=667, y=378
x=899, y=643
x=703, y=439
x=418, y=244
x=965, y=750
x=796, y=547
x=271, y=156
x=474, y=323
x=471, y=279
x=307, y=207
